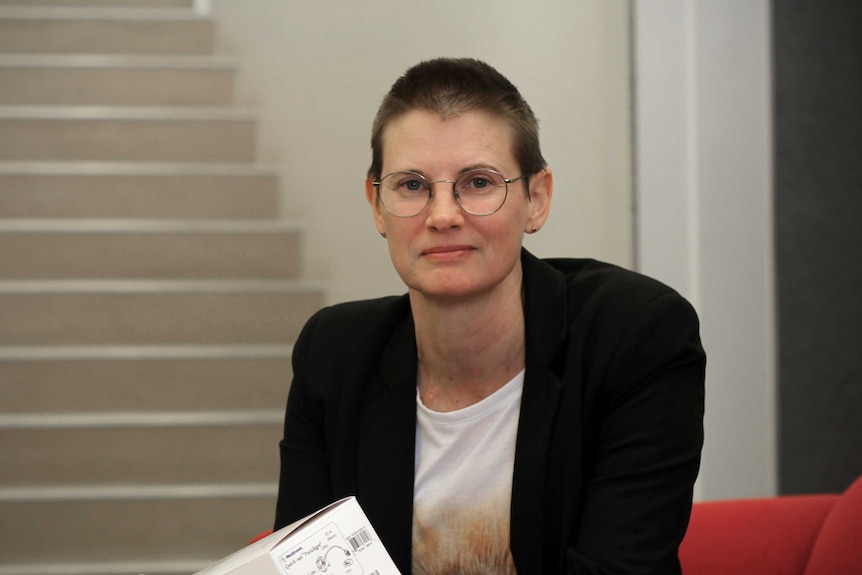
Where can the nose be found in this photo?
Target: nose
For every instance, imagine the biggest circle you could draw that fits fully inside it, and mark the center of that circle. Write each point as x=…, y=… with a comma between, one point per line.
x=444, y=212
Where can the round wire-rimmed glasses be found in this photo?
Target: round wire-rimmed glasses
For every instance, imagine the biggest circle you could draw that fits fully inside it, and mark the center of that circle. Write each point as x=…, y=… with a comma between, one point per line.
x=479, y=192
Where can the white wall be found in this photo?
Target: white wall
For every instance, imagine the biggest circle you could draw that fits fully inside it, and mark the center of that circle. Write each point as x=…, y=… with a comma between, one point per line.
x=704, y=195
x=316, y=72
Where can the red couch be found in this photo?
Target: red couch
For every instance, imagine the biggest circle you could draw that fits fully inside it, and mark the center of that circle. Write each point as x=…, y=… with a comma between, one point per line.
x=789, y=535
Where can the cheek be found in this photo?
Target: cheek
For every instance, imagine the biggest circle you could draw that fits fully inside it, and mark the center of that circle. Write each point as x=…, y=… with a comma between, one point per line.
x=504, y=233
x=399, y=239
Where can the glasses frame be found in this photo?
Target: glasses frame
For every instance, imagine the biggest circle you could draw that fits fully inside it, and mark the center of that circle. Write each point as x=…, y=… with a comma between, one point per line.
x=457, y=196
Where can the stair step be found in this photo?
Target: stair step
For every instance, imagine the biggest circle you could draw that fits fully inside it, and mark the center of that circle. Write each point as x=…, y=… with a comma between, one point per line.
x=126, y=134
x=65, y=379
x=135, y=448
x=74, y=30
x=189, y=4
x=115, y=80
x=81, y=312
x=196, y=525
x=136, y=190
x=148, y=567
x=48, y=249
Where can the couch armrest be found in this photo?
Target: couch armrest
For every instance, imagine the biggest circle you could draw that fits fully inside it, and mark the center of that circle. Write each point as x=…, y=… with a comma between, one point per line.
x=753, y=536
x=838, y=548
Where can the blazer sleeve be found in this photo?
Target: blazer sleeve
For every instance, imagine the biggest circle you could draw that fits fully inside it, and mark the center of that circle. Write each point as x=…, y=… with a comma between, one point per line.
x=647, y=435
x=304, y=485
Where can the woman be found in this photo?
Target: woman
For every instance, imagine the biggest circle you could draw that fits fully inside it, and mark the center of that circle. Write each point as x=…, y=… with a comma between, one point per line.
x=508, y=414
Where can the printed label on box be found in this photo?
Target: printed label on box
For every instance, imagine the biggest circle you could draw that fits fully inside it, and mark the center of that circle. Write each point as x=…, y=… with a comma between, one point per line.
x=326, y=552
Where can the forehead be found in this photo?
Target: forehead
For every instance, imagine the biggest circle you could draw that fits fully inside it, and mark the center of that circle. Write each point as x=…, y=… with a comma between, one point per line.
x=424, y=140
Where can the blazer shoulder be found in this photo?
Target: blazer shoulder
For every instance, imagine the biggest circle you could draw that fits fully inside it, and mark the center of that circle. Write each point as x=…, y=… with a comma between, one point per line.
x=345, y=338
x=351, y=326
x=604, y=302
x=592, y=282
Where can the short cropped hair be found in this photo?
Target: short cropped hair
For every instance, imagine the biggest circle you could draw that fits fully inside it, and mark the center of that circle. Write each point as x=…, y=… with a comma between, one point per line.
x=454, y=86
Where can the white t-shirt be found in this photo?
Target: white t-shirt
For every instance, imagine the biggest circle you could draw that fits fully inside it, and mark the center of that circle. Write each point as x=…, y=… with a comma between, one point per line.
x=463, y=485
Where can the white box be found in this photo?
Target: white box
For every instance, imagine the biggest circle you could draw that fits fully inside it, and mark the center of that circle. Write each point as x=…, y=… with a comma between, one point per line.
x=337, y=540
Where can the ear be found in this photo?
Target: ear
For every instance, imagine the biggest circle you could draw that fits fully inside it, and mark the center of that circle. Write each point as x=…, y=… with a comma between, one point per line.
x=541, y=190
x=371, y=196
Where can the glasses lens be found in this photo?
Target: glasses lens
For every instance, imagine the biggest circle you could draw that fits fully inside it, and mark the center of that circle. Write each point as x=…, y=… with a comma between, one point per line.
x=481, y=192
x=404, y=194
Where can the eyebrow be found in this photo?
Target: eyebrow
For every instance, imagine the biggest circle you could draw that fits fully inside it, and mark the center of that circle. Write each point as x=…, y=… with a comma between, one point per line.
x=463, y=171
x=479, y=167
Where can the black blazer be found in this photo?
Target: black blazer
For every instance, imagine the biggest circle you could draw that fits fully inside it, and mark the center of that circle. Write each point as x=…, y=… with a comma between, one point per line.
x=609, y=436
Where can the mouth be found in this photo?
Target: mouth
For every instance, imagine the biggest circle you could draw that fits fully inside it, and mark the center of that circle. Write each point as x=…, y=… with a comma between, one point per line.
x=446, y=251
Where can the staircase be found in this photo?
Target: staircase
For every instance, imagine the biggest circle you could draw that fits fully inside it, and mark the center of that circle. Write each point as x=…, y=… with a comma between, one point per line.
x=149, y=294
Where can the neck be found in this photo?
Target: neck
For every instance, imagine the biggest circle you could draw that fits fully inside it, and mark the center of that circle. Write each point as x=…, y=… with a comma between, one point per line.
x=468, y=349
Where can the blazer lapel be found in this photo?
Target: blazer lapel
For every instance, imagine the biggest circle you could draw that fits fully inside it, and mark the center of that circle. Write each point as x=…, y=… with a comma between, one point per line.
x=545, y=313
x=538, y=410
x=386, y=445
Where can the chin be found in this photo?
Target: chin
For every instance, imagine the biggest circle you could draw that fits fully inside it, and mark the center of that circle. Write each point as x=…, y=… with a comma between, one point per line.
x=451, y=290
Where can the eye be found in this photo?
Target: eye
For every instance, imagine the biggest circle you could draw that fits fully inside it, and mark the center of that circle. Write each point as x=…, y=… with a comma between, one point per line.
x=411, y=183
x=479, y=181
